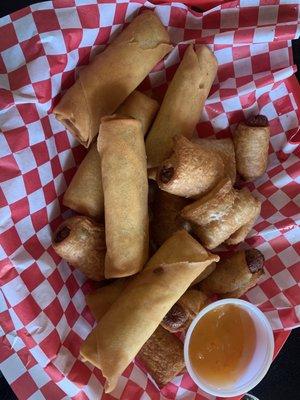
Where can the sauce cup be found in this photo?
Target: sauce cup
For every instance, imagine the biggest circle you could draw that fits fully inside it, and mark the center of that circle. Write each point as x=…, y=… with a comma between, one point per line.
x=261, y=359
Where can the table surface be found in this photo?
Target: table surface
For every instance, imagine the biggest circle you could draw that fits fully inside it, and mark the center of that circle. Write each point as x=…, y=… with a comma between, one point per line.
x=282, y=381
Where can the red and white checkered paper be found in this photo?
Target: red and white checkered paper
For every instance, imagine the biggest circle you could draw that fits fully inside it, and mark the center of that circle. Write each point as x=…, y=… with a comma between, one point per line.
x=43, y=313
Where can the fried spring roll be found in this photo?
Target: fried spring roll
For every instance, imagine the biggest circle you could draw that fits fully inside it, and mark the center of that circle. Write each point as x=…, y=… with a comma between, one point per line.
x=192, y=170
x=184, y=310
x=235, y=275
x=162, y=354
x=113, y=74
x=166, y=219
x=251, y=142
x=153, y=291
x=225, y=148
x=243, y=210
x=125, y=186
x=183, y=103
x=85, y=192
x=81, y=242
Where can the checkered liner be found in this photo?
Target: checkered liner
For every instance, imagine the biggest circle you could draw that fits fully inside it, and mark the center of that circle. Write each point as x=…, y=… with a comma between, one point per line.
x=43, y=313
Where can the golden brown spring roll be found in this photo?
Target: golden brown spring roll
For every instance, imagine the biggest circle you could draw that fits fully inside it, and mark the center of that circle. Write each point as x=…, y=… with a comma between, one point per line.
x=162, y=354
x=81, y=242
x=183, y=103
x=241, y=234
x=113, y=74
x=192, y=170
x=208, y=270
x=85, y=192
x=185, y=310
x=125, y=187
x=235, y=275
x=251, y=142
x=243, y=210
x=152, y=292
x=166, y=219
x=225, y=148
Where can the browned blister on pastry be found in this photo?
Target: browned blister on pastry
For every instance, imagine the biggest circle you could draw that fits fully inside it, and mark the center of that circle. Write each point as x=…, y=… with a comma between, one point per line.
x=185, y=310
x=81, y=242
x=162, y=355
x=111, y=346
x=235, y=275
x=125, y=186
x=183, y=103
x=191, y=170
x=108, y=80
x=166, y=219
x=251, y=142
x=85, y=192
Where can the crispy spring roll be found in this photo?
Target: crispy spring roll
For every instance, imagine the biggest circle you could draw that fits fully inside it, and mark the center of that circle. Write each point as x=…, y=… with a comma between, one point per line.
x=124, y=328
x=125, y=187
x=183, y=103
x=204, y=274
x=166, y=219
x=192, y=170
x=162, y=354
x=235, y=275
x=85, y=192
x=81, y=242
x=185, y=310
x=251, y=142
x=225, y=148
x=113, y=74
x=244, y=209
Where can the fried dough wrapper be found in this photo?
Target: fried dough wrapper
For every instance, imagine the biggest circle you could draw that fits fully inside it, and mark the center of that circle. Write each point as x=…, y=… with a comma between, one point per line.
x=235, y=275
x=108, y=80
x=152, y=292
x=85, y=192
x=192, y=169
x=125, y=186
x=81, y=242
x=183, y=103
x=251, y=141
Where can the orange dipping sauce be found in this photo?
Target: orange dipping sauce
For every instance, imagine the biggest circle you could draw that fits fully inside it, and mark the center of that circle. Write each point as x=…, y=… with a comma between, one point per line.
x=222, y=345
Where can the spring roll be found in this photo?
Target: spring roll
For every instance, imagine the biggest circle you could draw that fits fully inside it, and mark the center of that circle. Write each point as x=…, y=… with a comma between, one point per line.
x=85, y=192
x=235, y=275
x=81, y=242
x=192, y=170
x=162, y=354
x=251, y=142
x=166, y=219
x=217, y=232
x=124, y=329
x=225, y=148
x=125, y=187
x=183, y=103
x=113, y=74
x=185, y=310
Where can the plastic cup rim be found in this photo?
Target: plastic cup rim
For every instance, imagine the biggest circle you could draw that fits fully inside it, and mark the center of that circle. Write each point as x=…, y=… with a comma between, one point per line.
x=261, y=371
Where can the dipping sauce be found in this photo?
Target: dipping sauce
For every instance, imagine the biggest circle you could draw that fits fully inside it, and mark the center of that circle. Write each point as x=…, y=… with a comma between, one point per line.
x=222, y=345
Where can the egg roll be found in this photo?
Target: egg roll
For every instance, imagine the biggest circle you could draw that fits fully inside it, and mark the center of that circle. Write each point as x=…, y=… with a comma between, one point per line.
x=183, y=103
x=138, y=311
x=162, y=354
x=166, y=219
x=81, y=242
x=125, y=187
x=225, y=148
x=85, y=192
x=185, y=310
x=192, y=170
x=113, y=74
x=235, y=275
x=251, y=142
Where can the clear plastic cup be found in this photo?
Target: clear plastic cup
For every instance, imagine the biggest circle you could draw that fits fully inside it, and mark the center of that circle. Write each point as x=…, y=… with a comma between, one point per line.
x=260, y=362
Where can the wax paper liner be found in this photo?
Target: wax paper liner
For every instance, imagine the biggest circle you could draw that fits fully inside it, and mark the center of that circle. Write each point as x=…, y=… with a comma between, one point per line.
x=43, y=313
